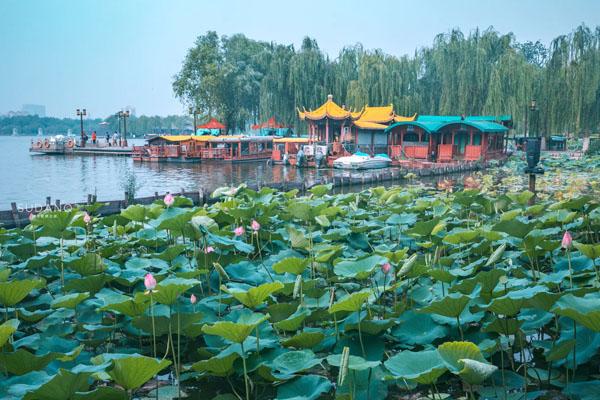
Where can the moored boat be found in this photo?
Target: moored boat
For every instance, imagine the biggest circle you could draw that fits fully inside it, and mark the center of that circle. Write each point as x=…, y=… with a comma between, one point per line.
x=361, y=160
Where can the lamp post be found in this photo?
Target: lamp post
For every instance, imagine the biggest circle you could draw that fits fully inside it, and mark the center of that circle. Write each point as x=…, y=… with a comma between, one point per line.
x=194, y=111
x=124, y=115
x=81, y=113
x=533, y=150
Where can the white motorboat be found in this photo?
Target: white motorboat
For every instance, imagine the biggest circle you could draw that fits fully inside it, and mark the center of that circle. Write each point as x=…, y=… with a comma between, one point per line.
x=363, y=161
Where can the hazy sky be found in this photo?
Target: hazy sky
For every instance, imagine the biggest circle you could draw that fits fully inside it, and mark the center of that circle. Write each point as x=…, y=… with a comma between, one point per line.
x=106, y=54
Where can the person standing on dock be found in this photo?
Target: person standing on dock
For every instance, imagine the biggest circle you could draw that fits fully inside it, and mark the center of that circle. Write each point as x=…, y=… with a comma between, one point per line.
x=107, y=138
x=94, y=137
x=115, y=138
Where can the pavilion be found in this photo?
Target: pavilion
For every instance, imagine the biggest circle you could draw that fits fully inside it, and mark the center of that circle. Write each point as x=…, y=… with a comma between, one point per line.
x=212, y=127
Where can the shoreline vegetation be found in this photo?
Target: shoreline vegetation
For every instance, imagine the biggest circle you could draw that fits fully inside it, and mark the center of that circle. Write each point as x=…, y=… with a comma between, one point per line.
x=384, y=293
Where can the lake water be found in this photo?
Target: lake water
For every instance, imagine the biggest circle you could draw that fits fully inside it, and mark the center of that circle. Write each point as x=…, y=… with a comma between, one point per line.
x=27, y=178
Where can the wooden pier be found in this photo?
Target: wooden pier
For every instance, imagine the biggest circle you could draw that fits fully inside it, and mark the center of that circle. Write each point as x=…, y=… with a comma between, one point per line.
x=70, y=147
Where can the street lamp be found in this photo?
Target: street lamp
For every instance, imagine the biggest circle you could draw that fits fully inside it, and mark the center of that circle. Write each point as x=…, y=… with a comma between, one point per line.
x=81, y=113
x=124, y=115
x=533, y=150
x=194, y=111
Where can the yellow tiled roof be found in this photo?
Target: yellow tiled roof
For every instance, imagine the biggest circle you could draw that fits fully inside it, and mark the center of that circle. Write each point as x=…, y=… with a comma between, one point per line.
x=369, y=125
x=328, y=109
x=377, y=114
x=399, y=118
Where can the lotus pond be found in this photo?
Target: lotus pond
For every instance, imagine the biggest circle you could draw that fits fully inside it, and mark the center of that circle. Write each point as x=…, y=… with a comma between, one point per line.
x=400, y=293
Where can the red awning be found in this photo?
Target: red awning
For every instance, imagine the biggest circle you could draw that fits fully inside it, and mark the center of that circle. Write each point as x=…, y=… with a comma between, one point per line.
x=271, y=123
x=212, y=124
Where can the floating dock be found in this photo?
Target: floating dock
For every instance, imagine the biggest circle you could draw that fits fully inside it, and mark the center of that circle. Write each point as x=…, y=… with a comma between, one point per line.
x=69, y=146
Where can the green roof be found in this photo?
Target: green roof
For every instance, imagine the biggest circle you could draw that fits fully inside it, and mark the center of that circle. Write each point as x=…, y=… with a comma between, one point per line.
x=435, y=126
x=457, y=118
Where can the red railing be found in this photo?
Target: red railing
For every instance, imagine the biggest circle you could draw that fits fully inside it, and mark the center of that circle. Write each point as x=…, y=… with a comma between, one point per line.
x=445, y=152
x=419, y=152
x=472, y=152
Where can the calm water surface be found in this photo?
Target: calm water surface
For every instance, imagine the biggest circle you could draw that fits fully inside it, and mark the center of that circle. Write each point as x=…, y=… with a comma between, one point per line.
x=27, y=178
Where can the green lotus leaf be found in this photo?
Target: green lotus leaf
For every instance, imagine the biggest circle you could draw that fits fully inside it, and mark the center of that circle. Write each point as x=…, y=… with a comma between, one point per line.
x=322, y=220
x=369, y=326
x=418, y=329
x=168, y=291
x=289, y=363
x=56, y=223
x=450, y=306
x=88, y=264
x=359, y=269
x=171, y=252
x=255, y=296
x=424, y=367
x=22, y=361
x=585, y=310
x=238, y=331
x=355, y=363
x=465, y=359
x=306, y=387
x=503, y=326
x=521, y=198
x=475, y=372
x=92, y=283
x=560, y=350
x=102, y=393
x=352, y=302
x=136, y=212
x=13, y=292
x=457, y=236
x=453, y=352
x=217, y=365
x=4, y=274
x=61, y=386
x=587, y=390
x=133, y=371
x=122, y=304
x=299, y=210
x=69, y=300
x=294, y=321
x=591, y=251
x=291, y=265
x=304, y=340
x=7, y=329
x=174, y=219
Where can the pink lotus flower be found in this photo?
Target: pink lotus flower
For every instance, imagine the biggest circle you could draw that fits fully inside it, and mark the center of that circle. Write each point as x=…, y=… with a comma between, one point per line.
x=193, y=299
x=567, y=240
x=385, y=268
x=86, y=218
x=255, y=225
x=209, y=249
x=149, y=282
x=31, y=216
x=169, y=200
x=239, y=231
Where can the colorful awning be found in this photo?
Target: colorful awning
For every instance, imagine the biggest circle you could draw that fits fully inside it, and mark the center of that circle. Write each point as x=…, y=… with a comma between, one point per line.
x=212, y=124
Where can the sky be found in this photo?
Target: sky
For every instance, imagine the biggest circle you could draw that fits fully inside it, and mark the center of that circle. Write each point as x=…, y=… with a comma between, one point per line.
x=104, y=55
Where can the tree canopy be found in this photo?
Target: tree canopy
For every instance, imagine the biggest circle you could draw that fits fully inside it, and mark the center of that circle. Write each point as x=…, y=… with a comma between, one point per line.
x=244, y=81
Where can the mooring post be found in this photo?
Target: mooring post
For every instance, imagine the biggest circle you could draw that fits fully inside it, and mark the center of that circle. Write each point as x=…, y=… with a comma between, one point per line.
x=48, y=202
x=89, y=198
x=126, y=199
x=15, y=214
x=57, y=202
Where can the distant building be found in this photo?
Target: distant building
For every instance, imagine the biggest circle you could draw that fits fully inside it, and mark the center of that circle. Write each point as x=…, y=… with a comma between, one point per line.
x=34, y=109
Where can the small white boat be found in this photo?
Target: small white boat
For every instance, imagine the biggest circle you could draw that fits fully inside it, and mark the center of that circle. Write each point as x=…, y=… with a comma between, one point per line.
x=363, y=161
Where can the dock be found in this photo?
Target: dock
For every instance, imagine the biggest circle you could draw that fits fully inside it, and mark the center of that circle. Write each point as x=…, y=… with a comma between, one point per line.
x=71, y=147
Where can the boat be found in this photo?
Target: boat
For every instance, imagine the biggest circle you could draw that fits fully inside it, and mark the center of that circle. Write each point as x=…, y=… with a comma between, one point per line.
x=361, y=160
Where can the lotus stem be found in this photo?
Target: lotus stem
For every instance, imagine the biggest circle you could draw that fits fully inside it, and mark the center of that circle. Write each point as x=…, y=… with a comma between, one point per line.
x=153, y=334
x=571, y=269
x=245, y=371
x=362, y=347
x=462, y=337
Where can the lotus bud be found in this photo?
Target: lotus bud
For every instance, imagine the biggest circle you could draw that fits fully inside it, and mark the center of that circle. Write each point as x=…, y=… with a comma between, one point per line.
x=86, y=218
x=169, y=200
x=221, y=271
x=344, y=361
x=209, y=249
x=193, y=299
x=149, y=282
x=567, y=241
x=255, y=225
x=31, y=216
x=385, y=268
x=239, y=231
